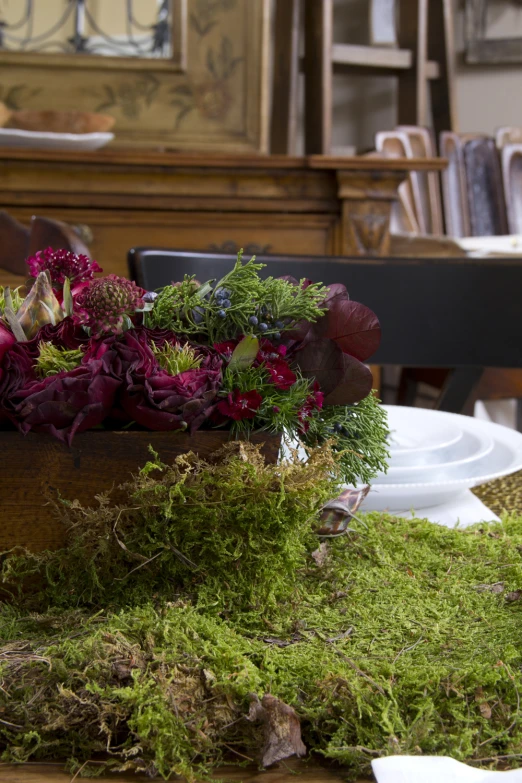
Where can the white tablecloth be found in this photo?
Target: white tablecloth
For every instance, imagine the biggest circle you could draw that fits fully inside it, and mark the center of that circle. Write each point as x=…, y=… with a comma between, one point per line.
x=464, y=510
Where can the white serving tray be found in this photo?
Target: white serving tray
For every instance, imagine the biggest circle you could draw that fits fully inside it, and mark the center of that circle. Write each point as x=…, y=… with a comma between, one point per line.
x=82, y=142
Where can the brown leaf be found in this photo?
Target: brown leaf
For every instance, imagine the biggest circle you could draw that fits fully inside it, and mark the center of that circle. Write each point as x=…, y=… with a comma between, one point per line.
x=320, y=554
x=516, y=595
x=281, y=726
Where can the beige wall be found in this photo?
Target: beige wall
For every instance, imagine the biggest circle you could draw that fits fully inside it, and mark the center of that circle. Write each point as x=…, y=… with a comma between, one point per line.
x=486, y=96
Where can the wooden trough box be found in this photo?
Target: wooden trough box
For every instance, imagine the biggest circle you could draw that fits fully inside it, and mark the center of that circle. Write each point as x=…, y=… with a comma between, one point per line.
x=35, y=468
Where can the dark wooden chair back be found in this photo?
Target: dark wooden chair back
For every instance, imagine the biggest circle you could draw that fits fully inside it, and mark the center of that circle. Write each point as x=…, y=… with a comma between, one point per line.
x=447, y=312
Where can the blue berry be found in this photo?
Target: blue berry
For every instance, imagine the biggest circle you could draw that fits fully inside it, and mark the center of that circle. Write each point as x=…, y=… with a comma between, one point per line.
x=226, y=303
x=150, y=296
x=338, y=427
x=279, y=325
x=253, y=320
x=277, y=336
x=222, y=293
x=263, y=327
x=221, y=314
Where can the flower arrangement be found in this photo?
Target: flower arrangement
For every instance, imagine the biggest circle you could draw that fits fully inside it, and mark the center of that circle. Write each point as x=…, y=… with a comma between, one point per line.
x=243, y=353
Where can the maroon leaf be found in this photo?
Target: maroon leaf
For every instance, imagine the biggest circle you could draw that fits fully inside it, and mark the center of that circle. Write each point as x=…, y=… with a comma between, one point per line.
x=324, y=361
x=336, y=291
x=353, y=326
x=355, y=385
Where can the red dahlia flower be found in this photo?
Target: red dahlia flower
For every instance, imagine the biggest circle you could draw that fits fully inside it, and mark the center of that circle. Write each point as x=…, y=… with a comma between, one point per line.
x=240, y=405
x=61, y=264
x=103, y=305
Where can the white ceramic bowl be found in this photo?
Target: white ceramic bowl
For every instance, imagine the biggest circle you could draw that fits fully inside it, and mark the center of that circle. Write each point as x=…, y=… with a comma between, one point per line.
x=505, y=458
x=477, y=447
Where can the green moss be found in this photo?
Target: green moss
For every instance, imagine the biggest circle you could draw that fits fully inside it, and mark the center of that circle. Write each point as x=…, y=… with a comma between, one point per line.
x=232, y=532
x=396, y=644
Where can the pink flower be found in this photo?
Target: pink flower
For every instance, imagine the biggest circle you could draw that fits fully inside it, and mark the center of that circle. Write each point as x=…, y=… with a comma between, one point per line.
x=61, y=264
x=105, y=303
x=240, y=405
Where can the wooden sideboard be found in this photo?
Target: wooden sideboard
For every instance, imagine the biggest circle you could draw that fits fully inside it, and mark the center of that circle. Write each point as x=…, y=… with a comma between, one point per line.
x=311, y=205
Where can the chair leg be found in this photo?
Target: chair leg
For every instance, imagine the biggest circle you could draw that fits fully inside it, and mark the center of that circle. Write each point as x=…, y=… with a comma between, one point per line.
x=458, y=393
x=407, y=390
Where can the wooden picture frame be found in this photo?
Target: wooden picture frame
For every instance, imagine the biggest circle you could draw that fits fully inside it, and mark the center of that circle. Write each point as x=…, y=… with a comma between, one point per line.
x=211, y=95
x=481, y=50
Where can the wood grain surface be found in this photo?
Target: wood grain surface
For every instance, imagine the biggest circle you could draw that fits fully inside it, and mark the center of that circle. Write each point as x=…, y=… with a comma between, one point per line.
x=289, y=772
x=36, y=469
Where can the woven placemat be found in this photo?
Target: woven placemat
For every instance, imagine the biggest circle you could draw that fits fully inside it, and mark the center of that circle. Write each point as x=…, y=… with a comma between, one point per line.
x=504, y=494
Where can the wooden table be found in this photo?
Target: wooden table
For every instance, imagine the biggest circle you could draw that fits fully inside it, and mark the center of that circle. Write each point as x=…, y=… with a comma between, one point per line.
x=290, y=772
x=315, y=205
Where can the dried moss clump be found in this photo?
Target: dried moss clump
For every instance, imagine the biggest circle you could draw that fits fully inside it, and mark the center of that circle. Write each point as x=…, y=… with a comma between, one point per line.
x=231, y=533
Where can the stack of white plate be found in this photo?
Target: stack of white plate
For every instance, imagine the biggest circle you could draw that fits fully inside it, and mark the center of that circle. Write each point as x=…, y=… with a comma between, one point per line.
x=436, y=456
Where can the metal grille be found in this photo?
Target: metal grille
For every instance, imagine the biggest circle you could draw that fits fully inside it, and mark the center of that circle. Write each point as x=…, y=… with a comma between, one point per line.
x=118, y=28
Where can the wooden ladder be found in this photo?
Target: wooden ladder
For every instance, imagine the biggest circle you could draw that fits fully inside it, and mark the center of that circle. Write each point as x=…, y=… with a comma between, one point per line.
x=423, y=62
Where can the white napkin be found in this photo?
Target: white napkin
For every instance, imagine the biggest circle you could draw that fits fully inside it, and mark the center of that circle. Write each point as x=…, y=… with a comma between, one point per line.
x=436, y=769
x=463, y=510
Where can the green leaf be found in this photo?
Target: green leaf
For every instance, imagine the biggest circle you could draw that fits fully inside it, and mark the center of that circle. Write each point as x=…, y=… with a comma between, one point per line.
x=67, y=297
x=244, y=353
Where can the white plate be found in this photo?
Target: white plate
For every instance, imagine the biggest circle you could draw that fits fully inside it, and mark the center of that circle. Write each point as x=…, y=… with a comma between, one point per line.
x=11, y=137
x=505, y=458
x=416, y=432
x=478, y=446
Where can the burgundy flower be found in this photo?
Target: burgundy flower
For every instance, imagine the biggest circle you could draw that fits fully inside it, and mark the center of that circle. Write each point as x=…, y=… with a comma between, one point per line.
x=66, y=334
x=103, y=305
x=173, y=402
x=240, y=405
x=16, y=371
x=7, y=340
x=67, y=403
x=123, y=356
x=160, y=401
x=61, y=264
